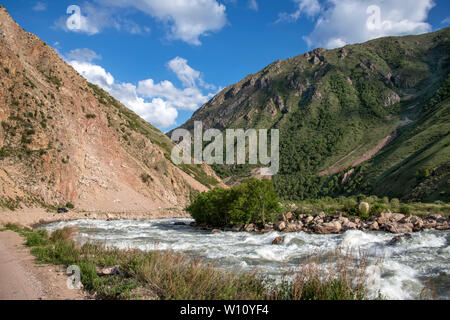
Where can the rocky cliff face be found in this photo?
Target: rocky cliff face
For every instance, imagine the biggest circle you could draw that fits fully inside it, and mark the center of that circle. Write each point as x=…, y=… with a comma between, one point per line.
x=65, y=140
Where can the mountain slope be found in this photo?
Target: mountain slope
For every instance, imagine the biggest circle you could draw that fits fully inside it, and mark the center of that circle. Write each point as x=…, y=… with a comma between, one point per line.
x=63, y=139
x=346, y=116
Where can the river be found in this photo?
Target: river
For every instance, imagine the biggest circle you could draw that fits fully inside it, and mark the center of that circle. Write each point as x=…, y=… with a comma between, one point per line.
x=398, y=271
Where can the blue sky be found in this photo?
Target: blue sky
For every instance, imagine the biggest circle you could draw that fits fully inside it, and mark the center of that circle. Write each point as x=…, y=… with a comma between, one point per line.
x=165, y=58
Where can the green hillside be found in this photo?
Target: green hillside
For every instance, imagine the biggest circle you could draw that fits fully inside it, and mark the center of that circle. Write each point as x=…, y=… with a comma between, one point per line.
x=368, y=118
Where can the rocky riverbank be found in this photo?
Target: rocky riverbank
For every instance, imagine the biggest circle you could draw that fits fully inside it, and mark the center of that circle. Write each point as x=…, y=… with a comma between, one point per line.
x=338, y=223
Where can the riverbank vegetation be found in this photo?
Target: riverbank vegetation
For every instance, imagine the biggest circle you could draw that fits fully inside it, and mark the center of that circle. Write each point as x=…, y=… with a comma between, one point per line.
x=349, y=206
x=255, y=202
x=163, y=275
x=252, y=201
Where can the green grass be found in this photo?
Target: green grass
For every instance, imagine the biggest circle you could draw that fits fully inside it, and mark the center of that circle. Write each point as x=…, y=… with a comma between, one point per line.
x=172, y=276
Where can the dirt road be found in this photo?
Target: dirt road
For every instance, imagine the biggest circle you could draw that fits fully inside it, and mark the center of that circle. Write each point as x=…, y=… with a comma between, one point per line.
x=22, y=279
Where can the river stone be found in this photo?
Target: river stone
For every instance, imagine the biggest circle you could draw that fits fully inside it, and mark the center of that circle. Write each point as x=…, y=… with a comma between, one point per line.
x=349, y=225
x=108, y=271
x=382, y=220
x=280, y=226
x=430, y=224
x=216, y=231
x=309, y=219
x=268, y=226
x=278, y=240
x=329, y=227
x=397, y=239
x=400, y=228
x=443, y=226
x=290, y=216
x=387, y=214
x=236, y=228
x=344, y=220
x=374, y=226
x=249, y=228
x=397, y=217
x=291, y=227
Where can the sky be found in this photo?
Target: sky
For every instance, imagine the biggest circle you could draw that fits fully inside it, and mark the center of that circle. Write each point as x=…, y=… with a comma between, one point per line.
x=165, y=58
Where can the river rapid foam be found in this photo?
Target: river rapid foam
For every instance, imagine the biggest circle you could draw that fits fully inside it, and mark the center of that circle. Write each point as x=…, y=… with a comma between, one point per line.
x=398, y=271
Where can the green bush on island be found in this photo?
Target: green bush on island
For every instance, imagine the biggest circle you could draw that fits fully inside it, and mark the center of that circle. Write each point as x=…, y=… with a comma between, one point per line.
x=253, y=201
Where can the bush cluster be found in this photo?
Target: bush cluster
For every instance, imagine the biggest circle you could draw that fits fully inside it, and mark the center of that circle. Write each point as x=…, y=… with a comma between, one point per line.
x=253, y=201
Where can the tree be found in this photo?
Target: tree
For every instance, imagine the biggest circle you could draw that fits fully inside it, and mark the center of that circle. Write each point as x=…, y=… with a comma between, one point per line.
x=253, y=201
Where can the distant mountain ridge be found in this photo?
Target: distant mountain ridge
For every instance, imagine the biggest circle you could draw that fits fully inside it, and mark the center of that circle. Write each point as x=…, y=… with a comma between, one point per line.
x=357, y=119
x=66, y=141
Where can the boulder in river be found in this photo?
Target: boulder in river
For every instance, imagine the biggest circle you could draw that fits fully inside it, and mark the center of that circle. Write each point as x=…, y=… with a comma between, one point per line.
x=278, y=240
x=397, y=239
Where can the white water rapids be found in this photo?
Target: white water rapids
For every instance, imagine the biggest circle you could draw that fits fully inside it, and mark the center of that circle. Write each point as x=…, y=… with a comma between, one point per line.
x=398, y=271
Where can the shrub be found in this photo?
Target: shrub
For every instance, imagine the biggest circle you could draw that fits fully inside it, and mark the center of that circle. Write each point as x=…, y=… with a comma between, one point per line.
x=395, y=203
x=70, y=205
x=405, y=209
x=145, y=177
x=253, y=201
x=91, y=116
x=364, y=210
x=377, y=208
x=350, y=206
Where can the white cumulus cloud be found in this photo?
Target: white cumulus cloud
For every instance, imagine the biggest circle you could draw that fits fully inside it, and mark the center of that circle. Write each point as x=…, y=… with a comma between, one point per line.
x=340, y=22
x=188, y=76
x=186, y=20
x=304, y=7
x=157, y=103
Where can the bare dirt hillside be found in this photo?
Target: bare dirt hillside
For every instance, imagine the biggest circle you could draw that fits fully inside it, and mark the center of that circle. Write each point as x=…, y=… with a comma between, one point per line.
x=64, y=140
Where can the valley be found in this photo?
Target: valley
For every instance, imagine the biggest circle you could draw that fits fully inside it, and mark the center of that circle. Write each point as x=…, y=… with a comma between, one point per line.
x=359, y=208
